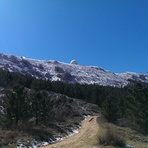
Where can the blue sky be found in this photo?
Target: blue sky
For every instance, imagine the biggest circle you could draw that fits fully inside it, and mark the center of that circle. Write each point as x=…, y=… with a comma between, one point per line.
x=112, y=34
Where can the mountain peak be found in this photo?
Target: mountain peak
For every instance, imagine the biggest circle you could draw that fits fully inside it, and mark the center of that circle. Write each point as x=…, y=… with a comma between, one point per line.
x=69, y=73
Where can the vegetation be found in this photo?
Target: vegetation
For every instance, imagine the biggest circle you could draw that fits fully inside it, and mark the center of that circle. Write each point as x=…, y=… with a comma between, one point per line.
x=131, y=137
x=111, y=138
x=27, y=100
x=22, y=106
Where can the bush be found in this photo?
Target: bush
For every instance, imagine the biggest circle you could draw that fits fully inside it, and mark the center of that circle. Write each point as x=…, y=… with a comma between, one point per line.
x=7, y=137
x=38, y=132
x=111, y=137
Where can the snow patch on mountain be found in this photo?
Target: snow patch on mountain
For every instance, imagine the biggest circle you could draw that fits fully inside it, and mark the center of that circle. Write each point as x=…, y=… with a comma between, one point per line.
x=69, y=73
x=135, y=76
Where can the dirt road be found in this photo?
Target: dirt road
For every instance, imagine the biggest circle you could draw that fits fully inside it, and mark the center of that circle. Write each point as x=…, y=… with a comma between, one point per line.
x=86, y=138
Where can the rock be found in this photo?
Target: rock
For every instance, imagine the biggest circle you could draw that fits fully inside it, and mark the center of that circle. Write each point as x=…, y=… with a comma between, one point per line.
x=58, y=69
x=1, y=110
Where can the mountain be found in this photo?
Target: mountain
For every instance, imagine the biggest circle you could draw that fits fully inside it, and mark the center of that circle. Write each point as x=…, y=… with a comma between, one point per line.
x=69, y=73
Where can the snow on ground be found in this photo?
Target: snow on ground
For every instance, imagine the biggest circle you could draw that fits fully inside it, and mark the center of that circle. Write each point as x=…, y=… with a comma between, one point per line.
x=56, y=138
x=51, y=141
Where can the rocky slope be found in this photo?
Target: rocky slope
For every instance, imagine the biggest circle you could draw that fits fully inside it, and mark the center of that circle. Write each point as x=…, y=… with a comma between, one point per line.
x=70, y=73
x=68, y=114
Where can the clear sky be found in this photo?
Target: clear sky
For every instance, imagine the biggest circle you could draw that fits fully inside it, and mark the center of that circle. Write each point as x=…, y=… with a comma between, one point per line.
x=112, y=34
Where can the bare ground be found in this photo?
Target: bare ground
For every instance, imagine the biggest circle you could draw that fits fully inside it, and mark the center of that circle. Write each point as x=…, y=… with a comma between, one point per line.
x=86, y=138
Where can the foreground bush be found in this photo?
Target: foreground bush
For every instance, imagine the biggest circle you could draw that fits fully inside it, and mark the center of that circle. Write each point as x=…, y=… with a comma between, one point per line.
x=112, y=138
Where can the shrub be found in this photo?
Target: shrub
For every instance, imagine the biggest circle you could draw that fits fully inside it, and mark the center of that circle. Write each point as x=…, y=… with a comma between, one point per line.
x=7, y=137
x=111, y=137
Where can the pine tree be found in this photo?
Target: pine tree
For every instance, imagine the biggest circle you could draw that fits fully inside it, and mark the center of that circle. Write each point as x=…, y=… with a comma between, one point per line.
x=15, y=102
x=111, y=108
x=137, y=107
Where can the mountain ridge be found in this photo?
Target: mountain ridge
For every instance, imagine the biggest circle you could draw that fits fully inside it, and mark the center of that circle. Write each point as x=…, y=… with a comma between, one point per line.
x=70, y=73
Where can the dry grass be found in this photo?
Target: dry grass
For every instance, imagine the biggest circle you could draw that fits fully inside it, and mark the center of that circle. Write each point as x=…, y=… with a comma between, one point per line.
x=86, y=138
x=8, y=137
x=111, y=137
x=131, y=137
x=11, y=138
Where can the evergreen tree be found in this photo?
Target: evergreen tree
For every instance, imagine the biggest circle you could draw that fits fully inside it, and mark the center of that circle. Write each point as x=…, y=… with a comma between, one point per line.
x=111, y=108
x=137, y=107
x=46, y=113
x=15, y=104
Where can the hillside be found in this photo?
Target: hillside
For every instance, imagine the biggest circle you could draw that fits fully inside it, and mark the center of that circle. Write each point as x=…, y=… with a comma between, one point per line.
x=87, y=136
x=94, y=128
x=69, y=73
x=40, y=112
x=31, y=115
x=67, y=115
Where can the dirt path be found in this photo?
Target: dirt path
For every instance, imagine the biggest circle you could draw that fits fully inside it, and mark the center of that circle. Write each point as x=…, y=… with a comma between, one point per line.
x=86, y=138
